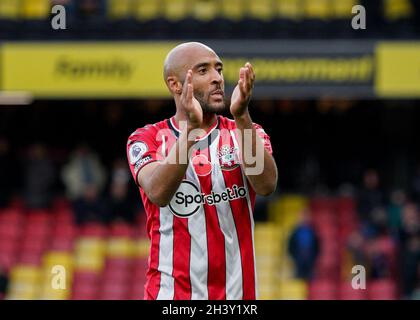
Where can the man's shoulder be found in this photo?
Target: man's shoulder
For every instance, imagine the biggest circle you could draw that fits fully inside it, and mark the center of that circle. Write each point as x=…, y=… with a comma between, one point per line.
x=148, y=130
x=227, y=123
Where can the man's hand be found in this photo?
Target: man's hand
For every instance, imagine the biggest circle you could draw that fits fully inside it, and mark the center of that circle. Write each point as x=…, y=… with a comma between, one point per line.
x=243, y=91
x=191, y=106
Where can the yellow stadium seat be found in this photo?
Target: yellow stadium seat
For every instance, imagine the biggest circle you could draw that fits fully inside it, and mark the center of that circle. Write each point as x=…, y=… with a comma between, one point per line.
x=49, y=293
x=24, y=273
x=9, y=9
x=118, y=9
x=141, y=248
x=289, y=9
x=261, y=10
x=317, y=9
x=50, y=260
x=24, y=282
x=88, y=262
x=397, y=9
x=175, y=10
x=286, y=210
x=205, y=10
x=146, y=10
x=36, y=9
x=92, y=246
x=293, y=290
x=120, y=248
x=53, y=258
x=342, y=9
x=233, y=10
x=23, y=291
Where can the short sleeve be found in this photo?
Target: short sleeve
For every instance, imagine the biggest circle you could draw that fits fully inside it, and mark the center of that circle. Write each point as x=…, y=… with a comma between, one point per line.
x=142, y=148
x=264, y=137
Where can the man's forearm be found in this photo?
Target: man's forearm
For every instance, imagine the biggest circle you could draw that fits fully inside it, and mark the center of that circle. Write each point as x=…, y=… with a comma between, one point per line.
x=167, y=176
x=265, y=182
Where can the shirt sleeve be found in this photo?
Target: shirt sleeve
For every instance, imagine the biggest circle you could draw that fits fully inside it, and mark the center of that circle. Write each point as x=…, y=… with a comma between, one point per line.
x=142, y=148
x=264, y=137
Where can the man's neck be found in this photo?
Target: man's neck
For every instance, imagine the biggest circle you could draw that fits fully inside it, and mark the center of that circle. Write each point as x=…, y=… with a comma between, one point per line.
x=209, y=119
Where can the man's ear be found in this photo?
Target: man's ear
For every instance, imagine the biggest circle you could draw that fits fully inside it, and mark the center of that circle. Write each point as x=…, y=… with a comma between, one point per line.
x=174, y=85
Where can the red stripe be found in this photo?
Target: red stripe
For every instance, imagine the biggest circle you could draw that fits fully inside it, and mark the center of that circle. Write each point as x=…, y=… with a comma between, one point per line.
x=181, y=263
x=151, y=288
x=242, y=220
x=216, y=276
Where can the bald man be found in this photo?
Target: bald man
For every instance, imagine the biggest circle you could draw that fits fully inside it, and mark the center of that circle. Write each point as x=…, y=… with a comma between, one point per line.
x=198, y=174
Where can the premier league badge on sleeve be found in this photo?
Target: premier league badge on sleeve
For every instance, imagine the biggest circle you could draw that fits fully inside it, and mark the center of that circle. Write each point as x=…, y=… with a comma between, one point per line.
x=228, y=157
x=137, y=150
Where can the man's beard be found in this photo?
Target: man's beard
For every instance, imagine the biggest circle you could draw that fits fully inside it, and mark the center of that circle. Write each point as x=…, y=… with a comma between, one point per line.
x=206, y=106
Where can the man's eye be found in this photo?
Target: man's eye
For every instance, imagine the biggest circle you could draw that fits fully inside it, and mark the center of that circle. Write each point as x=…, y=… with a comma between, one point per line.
x=202, y=70
x=220, y=70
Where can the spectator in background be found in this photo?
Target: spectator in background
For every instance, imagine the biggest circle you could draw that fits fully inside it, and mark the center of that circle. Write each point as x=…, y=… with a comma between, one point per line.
x=380, y=247
x=370, y=195
x=303, y=247
x=4, y=282
x=410, y=246
x=84, y=169
x=356, y=246
x=38, y=178
x=7, y=173
x=398, y=199
x=416, y=292
x=90, y=8
x=91, y=207
x=84, y=178
x=120, y=205
x=415, y=185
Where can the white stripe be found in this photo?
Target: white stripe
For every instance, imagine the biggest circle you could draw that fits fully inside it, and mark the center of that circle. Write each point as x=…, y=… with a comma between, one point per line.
x=164, y=146
x=234, y=289
x=198, y=254
x=166, y=289
x=251, y=217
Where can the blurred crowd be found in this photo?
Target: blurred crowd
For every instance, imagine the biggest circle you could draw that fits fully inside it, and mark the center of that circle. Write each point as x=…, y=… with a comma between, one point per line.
x=385, y=240
x=97, y=193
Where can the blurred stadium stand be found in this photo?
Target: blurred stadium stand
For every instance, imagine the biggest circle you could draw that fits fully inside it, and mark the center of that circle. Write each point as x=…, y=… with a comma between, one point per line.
x=106, y=259
x=217, y=19
x=323, y=148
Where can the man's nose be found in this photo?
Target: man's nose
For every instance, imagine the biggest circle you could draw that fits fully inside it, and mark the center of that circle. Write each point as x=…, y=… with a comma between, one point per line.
x=216, y=77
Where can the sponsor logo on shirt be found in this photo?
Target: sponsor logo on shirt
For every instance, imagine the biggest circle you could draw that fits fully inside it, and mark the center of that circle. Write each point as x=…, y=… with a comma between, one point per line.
x=188, y=199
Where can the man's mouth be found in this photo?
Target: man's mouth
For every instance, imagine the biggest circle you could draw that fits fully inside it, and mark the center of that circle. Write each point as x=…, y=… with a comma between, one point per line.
x=217, y=94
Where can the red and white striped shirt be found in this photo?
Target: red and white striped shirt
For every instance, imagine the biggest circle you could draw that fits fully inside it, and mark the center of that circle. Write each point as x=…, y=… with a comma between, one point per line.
x=202, y=243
